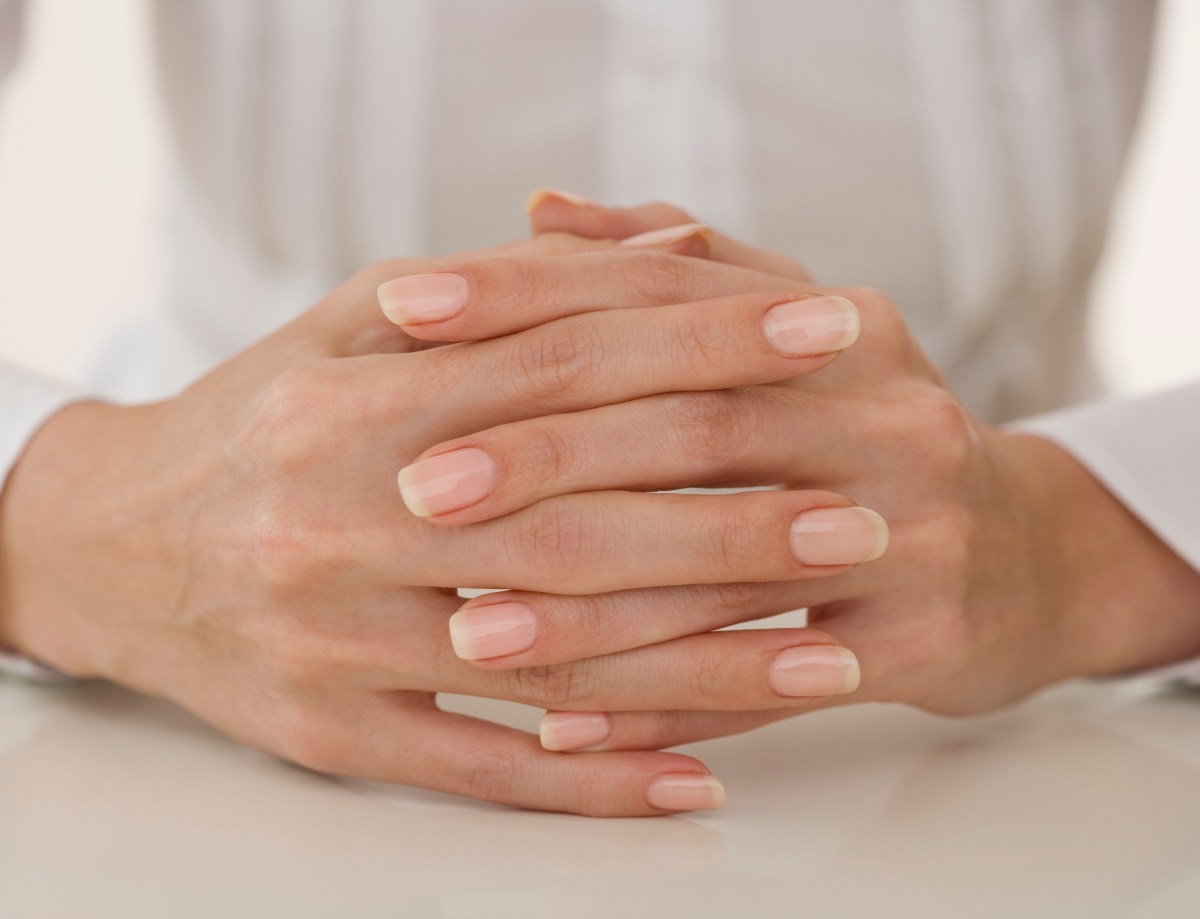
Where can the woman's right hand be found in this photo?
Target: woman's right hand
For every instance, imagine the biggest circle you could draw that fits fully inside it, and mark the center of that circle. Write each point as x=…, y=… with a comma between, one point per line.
x=243, y=548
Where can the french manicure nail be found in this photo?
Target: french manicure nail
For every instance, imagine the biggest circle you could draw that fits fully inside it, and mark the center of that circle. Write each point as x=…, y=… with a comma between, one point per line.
x=815, y=325
x=542, y=194
x=447, y=482
x=838, y=536
x=573, y=730
x=814, y=670
x=482, y=632
x=686, y=792
x=423, y=298
x=668, y=236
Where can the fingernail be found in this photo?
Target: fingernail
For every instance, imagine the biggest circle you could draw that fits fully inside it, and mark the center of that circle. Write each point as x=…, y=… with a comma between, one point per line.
x=447, y=482
x=423, y=298
x=815, y=670
x=479, y=633
x=543, y=194
x=838, y=536
x=668, y=236
x=684, y=792
x=573, y=730
x=815, y=325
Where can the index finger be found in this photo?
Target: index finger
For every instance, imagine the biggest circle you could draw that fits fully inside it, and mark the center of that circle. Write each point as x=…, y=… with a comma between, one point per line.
x=474, y=300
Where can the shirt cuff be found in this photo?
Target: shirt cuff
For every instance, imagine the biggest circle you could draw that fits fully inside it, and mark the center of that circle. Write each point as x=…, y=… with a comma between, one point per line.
x=1146, y=451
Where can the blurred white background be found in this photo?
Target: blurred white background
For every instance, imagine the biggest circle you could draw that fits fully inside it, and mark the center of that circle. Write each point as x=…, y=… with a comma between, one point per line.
x=82, y=160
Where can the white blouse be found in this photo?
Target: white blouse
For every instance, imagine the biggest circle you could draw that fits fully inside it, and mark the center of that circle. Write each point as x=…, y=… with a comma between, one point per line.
x=959, y=154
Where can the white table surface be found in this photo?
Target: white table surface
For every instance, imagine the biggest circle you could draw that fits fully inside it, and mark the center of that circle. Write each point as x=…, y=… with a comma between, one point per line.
x=1084, y=802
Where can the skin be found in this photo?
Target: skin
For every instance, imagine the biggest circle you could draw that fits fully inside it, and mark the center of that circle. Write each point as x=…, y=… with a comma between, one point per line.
x=265, y=574
x=242, y=549
x=1010, y=566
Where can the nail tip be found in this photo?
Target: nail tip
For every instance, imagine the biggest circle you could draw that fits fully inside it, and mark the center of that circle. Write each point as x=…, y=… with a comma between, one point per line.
x=682, y=793
x=883, y=535
x=415, y=505
x=538, y=195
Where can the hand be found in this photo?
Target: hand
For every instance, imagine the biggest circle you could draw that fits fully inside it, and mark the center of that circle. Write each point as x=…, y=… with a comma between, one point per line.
x=242, y=549
x=1010, y=567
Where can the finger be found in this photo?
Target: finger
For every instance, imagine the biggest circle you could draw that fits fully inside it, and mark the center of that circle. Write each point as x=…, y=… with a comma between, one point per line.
x=608, y=357
x=348, y=321
x=613, y=540
x=747, y=436
x=484, y=298
x=693, y=240
x=511, y=629
x=550, y=211
x=448, y=752
x=605, y=731
x=742, y=670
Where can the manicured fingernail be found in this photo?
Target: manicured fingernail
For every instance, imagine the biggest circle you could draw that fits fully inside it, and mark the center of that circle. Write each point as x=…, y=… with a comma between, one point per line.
x=838, y=536
x=447, y=482
x=669, y=236
x=423, y=298
x=685, y=792
x=573, y=730
x=480, y=633
x=544, y=194
x=816, y=325
x=815, y=670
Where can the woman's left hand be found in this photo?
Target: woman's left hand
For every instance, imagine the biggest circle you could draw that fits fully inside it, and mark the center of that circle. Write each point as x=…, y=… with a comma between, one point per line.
x=1009, y=566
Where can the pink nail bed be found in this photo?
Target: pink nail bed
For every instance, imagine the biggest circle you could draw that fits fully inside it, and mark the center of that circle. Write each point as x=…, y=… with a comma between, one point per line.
x=423, y=298
x=686, y=792
x=573, y=730
x=814, y=670
x=838, y=536
x=447, y=482
x=482, y=632
x=816, y=325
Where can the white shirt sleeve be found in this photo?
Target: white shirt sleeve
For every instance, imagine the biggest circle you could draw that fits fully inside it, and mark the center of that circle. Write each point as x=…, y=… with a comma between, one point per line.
x=26, y=401
x=1146, y=451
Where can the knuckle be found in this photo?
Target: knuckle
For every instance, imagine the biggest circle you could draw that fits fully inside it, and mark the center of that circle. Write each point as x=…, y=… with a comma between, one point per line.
x=493, y=774
x=555, y=362
x=735, y=600
x=704, y=341
x=547, y=454
x=878, y=312
x=551, y=545
x=283, y=413
x=296, y=413
x=280, y=547
x=735, y=542
x=709, y=679
x=655, y=276
x=944, y=429
x=303, y=737
x=552, y=686
x=707, y=425
x=871, y=302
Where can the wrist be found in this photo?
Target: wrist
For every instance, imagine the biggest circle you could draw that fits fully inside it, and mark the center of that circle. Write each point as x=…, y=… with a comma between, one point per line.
x=67, y=514
x=1113, y=596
